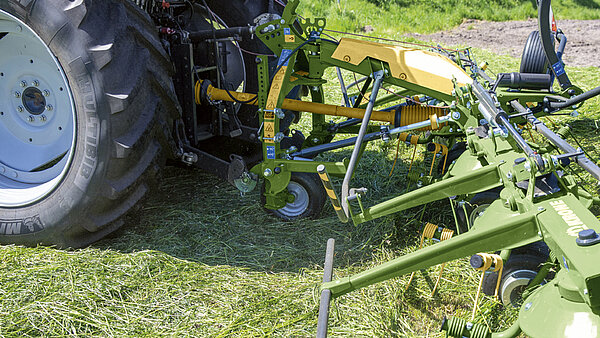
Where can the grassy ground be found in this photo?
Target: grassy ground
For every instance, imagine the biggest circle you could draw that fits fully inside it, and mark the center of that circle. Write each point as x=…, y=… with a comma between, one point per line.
x=198, y=259
x=396, y=17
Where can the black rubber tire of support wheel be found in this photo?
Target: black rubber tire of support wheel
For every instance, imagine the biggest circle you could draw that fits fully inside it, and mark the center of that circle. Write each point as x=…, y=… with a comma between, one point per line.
x=533, y=59
x=120, y=77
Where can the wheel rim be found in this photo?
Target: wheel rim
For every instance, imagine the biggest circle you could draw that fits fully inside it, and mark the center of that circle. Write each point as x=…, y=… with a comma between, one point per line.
x=37, y=116
x=300, y=203
x=477, y=212
x=513, y=286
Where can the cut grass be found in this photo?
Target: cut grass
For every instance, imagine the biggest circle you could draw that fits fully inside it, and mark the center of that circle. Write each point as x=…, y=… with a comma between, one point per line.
x=200, y=260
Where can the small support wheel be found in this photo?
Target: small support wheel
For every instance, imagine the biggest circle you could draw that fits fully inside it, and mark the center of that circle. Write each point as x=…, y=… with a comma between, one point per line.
x=475, y=208
x=309, y=198
x=519, y=270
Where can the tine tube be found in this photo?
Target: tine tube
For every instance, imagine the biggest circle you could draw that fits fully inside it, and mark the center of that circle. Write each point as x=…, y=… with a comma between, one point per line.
x=323, y=318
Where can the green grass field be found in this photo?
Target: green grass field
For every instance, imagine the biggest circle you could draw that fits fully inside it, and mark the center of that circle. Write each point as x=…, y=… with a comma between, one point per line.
x=198, y=259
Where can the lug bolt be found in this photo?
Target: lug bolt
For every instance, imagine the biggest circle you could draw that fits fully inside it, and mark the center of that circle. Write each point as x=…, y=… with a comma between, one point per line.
x=46, y=92
x=36, y=83
x=17, y=94
x=20, y=109
x=31, y=118
x=43, y=118
x=23, y=84
x=49, y=107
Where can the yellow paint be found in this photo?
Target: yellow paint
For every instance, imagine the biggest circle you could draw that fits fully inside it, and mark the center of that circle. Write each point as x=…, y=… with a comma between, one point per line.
x=274, y=91
x=331, y=194
x=290, y=38
x=423, y=68
x=269, y=131
x=309, y=107
x=324, y=177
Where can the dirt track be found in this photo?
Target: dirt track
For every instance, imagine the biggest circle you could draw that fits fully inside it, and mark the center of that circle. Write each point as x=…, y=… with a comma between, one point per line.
x=583, y=38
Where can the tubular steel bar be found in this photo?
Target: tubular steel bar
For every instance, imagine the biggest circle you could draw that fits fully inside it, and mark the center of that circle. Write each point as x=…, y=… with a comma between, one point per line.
x=325, y=294
x=514, y=231
x=583, y=161
x=359, y=139
x=495, y=115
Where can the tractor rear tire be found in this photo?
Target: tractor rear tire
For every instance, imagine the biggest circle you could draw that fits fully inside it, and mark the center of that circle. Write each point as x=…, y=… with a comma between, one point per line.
x=105, y=71
x=533, y=59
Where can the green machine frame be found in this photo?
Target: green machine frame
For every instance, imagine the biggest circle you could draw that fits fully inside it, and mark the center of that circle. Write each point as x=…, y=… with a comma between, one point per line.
x=538, y=201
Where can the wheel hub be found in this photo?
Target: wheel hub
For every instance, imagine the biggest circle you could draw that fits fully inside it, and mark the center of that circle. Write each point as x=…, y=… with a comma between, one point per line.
x=513, y=286
x=299, y=204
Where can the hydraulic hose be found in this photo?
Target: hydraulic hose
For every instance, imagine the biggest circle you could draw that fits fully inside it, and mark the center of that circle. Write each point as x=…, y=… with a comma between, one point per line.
x=546, y=37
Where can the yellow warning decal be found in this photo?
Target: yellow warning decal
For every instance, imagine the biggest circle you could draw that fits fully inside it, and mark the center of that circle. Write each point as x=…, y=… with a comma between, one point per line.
x=269, y=133
x=290, y=38
x=274, y=92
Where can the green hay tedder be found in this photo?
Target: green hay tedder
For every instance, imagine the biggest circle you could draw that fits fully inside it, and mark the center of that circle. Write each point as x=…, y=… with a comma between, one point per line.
x=92, y=107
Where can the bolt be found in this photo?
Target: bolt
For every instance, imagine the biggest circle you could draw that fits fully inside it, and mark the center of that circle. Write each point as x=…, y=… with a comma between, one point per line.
x=316, y=140
x=585, y=291
x=509, y=175
x=36, y=83
x=43, y=118
x=282, y=21
x=278, y=137
x=20, y=109
x=23, y=84
x=30, y=118
x=268, y=172
x=17, y=94
x=279, y=113
x=46, y=92
x=527, y=306
x=49, y=107
x=539, y=234
x=456, y=115
x=541, y=209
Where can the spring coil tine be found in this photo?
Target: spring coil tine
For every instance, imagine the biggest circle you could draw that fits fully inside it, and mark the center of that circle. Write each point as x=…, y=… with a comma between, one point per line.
x=429, y=232
x=489, y=260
